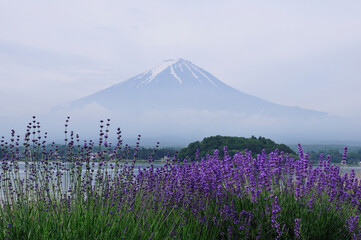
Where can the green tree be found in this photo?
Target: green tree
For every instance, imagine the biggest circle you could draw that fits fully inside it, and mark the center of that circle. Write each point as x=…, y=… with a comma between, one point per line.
x=234, y=144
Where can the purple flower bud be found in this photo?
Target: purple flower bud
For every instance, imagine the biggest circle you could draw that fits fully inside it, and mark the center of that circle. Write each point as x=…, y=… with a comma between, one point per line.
x=297, y=228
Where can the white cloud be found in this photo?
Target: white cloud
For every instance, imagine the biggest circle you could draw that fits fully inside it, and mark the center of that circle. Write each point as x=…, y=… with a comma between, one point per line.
x=292, y=53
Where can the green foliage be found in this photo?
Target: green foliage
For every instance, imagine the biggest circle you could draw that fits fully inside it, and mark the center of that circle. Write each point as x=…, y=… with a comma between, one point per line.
x=324, y=147
x=353, y=158
x=334, y=151
x=142, y=152
x=234, y=145
x=95, y=220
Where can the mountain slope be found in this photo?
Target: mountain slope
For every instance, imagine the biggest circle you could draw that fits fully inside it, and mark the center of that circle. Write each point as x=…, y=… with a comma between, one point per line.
x=179, y=84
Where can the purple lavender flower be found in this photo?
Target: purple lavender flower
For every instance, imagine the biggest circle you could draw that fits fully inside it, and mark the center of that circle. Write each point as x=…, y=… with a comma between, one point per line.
x=344, y=156
x=352, y=224
x=276, y=209
x=297, y=228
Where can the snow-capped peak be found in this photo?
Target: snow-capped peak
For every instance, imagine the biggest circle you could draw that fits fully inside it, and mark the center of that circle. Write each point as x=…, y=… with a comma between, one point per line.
x=163, y=66
x=174, y=72
x=153, y=73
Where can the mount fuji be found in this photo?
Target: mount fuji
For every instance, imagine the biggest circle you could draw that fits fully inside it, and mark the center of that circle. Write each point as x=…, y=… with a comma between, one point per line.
x=177, y=102
x=180, y=84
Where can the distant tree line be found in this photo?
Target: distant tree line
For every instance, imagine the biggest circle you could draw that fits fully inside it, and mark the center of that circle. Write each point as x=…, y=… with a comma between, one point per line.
x=353, y=158
x=234, y=145
x=208, y=145
x=324, y=147
x=127, y=152
x=143, y=153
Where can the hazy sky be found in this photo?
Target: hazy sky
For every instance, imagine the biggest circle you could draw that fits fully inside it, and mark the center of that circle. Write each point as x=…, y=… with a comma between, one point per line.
x=299, y=53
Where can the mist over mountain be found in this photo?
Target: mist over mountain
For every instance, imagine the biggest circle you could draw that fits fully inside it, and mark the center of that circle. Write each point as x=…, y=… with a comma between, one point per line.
x=179, y=84
x=177, y=102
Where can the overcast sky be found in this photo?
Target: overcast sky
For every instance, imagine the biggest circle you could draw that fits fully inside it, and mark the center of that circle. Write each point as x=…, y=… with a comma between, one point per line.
x=298, y=53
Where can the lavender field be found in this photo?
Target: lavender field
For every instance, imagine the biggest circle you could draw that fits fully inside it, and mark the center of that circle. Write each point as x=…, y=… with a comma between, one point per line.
x=78, y=196
x=229, y=120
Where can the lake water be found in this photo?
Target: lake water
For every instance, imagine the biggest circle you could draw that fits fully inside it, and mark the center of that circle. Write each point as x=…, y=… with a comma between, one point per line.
x=157, y=164
x=10, y=174
x=345, y=169
x=94, y=166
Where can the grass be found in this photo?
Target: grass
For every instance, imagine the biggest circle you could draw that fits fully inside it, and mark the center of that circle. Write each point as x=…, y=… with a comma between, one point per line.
x=273, y=196
x=91, y=220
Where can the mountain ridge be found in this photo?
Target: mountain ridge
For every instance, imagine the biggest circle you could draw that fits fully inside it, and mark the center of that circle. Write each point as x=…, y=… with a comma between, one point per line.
x=180, y=84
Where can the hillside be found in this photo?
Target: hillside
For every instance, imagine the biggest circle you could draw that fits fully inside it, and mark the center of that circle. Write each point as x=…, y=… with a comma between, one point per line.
x=178, y=100
x=190, y=87
x=234, y=145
